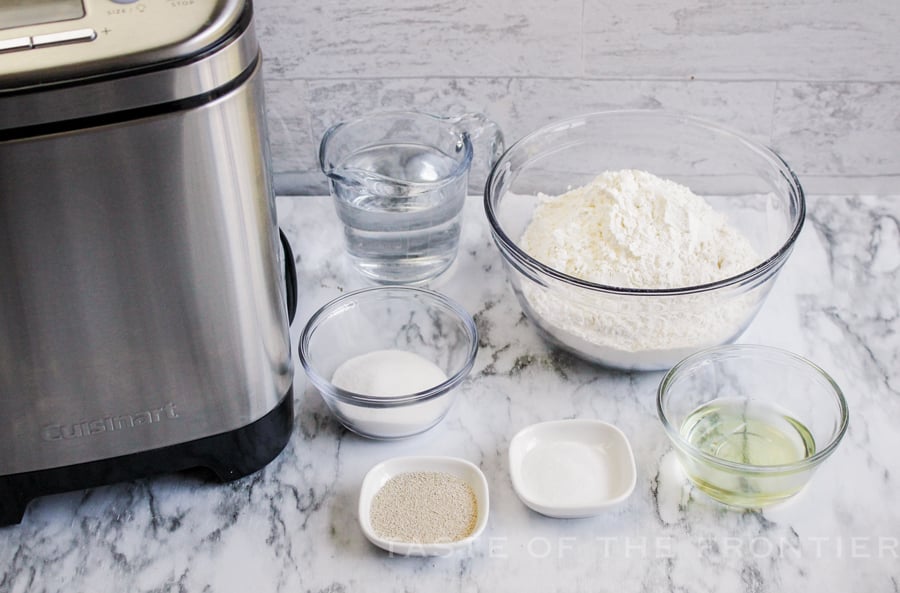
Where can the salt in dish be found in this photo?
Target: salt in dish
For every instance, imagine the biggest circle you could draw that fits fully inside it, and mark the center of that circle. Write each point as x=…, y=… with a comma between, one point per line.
x=455, y=488
x=571, y=468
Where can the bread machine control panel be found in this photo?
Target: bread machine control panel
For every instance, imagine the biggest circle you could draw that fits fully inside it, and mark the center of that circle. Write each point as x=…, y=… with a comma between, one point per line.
x=45, y=41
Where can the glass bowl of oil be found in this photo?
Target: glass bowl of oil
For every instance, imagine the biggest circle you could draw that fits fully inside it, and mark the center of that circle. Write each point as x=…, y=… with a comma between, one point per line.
x=749, y=423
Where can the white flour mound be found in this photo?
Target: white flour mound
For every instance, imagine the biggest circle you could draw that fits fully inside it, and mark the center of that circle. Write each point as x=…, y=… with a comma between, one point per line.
x=631, y=229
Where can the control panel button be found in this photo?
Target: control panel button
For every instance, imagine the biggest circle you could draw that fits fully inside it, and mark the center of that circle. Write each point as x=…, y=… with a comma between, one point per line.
x=76, y=36
x=15, y=44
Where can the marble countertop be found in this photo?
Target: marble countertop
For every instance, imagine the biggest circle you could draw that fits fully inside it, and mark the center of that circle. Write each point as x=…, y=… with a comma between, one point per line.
x=293, y=527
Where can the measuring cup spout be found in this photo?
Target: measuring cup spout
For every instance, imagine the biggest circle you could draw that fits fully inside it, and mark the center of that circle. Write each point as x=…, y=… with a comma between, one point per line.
x=326, y=164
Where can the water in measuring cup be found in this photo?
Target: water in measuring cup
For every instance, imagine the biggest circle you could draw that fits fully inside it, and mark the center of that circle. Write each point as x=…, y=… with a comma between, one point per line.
x=398, y=233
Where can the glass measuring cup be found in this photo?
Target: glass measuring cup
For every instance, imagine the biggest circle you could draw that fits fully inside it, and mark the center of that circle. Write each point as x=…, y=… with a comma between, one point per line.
x=399, y=180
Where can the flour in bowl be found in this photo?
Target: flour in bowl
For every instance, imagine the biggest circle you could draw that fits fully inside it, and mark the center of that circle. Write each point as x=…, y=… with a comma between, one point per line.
x=632, y=229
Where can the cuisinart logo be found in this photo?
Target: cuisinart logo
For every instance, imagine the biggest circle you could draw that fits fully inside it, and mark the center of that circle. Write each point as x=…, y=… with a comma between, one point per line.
x=86, y=428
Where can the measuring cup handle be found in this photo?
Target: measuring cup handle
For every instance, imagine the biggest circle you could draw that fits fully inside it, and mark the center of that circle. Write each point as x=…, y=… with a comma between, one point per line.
x=487, y=146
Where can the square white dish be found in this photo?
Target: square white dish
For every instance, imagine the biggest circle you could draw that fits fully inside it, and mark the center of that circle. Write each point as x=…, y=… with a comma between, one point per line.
x=380, y=474
x=571, y=468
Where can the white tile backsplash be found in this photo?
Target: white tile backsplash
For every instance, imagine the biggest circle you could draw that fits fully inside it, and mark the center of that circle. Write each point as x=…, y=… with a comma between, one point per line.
x=839, y=128
x=817, y=80
x=819, y=40
x=402, y=38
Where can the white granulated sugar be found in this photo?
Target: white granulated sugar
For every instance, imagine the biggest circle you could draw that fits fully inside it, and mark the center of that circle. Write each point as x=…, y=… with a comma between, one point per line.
x=387, y=373
x=390, y=373
x=631, y=229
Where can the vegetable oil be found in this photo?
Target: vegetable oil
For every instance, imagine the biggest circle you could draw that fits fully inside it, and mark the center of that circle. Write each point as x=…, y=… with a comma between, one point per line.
x=756, y=434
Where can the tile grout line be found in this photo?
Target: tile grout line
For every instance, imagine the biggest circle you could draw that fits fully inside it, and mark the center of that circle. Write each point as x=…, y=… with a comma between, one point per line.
x=583, y=67
x=310, y=79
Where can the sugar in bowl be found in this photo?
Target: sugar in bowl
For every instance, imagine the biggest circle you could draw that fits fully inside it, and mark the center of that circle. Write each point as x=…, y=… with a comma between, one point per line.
x=386, y=359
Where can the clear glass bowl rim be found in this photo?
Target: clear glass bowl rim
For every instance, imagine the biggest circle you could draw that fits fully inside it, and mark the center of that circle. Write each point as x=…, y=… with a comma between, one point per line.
x=752, y=350
x=772, y=263
x=337, y=305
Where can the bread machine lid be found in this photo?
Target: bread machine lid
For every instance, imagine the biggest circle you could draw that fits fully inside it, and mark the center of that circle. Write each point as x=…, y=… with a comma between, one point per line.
x=46, y=41
x=64, y=59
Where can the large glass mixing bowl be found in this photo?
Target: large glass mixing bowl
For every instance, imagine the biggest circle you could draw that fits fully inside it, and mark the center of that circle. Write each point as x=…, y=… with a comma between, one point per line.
x=644, y=328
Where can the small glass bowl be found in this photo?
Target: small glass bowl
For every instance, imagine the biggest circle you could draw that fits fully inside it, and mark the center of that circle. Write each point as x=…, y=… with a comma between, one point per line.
x=751, y=423
x=644, y=328
x=416, y=320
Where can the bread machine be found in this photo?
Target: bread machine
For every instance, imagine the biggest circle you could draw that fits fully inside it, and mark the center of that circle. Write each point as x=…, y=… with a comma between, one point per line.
x=143, y=314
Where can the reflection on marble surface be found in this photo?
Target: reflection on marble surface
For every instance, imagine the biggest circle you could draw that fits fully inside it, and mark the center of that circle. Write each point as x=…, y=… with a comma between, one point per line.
x=292, y=526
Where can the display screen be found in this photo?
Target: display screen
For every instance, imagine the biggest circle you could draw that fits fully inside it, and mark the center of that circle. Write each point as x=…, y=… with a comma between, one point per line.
x=19, y=13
